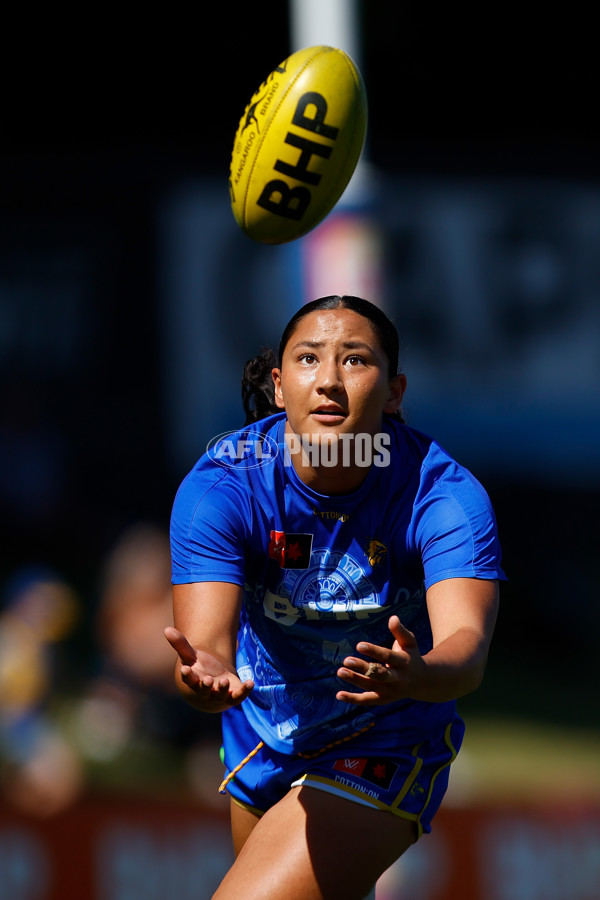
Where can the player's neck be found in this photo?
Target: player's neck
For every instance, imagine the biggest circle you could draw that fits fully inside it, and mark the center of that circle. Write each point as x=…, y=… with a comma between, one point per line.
x=334, y=480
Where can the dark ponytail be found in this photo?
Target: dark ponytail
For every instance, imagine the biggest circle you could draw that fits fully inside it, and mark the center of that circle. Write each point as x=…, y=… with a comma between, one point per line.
x=258, y=390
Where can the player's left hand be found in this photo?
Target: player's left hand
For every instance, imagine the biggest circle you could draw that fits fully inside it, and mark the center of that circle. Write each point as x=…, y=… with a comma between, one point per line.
x=392, y=674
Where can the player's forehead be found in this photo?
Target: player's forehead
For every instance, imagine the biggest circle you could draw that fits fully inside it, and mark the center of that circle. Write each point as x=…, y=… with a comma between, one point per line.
x=334, y=327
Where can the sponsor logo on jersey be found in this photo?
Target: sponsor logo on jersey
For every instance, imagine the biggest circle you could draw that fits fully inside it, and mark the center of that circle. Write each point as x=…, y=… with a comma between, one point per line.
x=291, y=550
x=330, y=514
x=379, y=772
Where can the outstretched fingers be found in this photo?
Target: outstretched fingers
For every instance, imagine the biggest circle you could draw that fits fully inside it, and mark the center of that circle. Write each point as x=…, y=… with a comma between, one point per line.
x=181, y=645
x=240, y=693
x=382, y=677
x=211, y=680
x=404, y=638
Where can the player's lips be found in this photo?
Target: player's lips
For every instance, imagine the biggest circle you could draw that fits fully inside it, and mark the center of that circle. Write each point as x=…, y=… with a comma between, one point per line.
x=330, y=413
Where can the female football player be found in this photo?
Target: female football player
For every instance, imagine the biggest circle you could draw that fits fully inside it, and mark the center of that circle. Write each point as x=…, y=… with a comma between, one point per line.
x=335, y=591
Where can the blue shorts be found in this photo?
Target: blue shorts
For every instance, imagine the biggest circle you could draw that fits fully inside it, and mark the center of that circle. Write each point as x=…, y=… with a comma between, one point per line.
x=409, y=783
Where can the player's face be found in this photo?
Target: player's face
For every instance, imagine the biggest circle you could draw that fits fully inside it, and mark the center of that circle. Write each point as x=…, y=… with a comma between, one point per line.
x=334, y=376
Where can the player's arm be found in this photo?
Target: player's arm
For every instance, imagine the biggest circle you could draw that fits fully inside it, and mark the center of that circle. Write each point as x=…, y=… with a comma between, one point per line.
x=206, y=617
x=462, y=612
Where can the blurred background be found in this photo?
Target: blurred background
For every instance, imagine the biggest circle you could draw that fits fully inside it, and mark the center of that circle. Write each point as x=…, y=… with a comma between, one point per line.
x=129, y=301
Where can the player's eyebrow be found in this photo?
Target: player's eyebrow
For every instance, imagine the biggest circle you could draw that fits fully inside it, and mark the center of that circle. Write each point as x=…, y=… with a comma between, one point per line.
x=356, y=345
x=347, y=345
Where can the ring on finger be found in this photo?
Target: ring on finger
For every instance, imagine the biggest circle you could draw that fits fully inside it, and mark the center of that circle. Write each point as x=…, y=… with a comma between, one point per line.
x=377, y=672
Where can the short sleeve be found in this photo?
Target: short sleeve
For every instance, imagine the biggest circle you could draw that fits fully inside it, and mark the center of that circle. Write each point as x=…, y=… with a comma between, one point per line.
x=453, y=525
x=208, y=530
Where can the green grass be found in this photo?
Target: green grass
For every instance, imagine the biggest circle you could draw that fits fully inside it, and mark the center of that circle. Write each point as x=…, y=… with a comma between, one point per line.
x=509, y=759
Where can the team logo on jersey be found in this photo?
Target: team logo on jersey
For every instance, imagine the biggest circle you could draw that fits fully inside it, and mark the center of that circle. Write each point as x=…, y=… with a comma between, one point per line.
x=334, y=585
x=375, y=552
x=292, y=551
x=379, y=772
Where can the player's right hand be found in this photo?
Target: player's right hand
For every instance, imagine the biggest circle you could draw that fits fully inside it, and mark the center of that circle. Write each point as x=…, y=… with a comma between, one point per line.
x=210, y=684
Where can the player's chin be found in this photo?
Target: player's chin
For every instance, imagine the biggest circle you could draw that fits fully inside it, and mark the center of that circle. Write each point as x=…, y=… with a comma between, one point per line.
x=329, y=434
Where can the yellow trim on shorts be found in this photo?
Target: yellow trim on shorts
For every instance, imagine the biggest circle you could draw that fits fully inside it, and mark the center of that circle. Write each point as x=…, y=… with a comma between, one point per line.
x=410, y=780
x=247, y=807
x=342, y=788
x=454, y=754
x=355, y=796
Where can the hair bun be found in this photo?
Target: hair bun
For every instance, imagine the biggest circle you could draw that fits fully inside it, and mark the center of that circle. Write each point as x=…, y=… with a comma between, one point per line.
x=258, y=390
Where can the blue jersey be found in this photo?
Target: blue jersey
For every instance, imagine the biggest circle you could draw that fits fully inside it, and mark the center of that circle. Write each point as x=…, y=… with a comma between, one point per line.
x=321, y=573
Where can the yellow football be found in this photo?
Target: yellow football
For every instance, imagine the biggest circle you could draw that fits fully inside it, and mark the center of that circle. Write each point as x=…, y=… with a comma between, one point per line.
x=297, y=144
